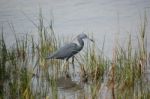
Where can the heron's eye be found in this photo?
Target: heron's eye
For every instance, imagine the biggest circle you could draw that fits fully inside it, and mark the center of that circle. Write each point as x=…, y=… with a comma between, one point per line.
x=85, y=36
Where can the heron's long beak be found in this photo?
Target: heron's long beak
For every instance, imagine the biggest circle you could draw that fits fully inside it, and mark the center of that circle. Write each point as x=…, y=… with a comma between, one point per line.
x=91, y=40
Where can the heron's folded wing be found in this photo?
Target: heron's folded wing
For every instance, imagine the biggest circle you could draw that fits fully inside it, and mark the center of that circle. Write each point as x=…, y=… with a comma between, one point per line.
x=64, y=52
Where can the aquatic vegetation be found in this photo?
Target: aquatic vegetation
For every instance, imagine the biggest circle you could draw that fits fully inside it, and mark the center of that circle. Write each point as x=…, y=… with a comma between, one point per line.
x=24, y=72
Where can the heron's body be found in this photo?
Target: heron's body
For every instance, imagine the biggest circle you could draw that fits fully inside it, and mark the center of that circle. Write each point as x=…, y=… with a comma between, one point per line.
x=65, y=52
x=69, y=50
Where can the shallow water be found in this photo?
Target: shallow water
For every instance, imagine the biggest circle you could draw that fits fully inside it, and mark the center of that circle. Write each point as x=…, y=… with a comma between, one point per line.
x=103, y=18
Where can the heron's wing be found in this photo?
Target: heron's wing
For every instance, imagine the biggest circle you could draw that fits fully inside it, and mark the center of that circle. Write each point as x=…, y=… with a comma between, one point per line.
x=64, y=52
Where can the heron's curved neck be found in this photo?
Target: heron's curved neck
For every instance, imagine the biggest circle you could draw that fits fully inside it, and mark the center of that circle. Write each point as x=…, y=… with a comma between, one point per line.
x=81, y=42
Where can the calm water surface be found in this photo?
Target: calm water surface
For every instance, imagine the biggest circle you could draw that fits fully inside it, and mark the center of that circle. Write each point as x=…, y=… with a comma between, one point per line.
x=103, y=18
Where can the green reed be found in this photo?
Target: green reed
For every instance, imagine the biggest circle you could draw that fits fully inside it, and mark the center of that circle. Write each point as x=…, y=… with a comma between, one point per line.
x=24, y=63
x=130, y=68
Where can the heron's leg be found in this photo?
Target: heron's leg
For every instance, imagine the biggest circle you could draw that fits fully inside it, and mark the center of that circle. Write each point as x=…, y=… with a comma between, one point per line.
x=73, y=66
x=66, y=67
x=73, y=61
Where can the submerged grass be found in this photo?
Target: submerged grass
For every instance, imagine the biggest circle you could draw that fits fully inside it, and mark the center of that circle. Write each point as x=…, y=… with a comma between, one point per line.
x=24, y=72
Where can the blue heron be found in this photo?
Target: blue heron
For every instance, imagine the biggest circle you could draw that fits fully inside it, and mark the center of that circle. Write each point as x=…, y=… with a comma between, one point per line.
x=69, y=50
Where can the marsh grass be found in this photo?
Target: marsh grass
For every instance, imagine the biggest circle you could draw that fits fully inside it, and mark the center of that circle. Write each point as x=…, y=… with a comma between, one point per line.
x=94, y=63
x=24, y=68
x=130, y=68
x=24, y=61
x=3, y=59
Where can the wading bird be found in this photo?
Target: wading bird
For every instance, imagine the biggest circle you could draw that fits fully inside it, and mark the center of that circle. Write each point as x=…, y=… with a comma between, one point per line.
x=69, y=50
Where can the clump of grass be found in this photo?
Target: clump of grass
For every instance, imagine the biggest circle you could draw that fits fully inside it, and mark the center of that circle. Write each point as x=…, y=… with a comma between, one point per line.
x=24, y=64
x=3, y=59
x=130, y=67
x=16, y=61
x=17, y=69
x=94, y=63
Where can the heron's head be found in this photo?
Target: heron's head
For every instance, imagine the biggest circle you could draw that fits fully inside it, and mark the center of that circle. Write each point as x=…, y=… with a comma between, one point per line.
x=84, y=36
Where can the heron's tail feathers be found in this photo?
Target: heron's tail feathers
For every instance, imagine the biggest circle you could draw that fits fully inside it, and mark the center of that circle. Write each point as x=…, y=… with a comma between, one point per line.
x=50, y=56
